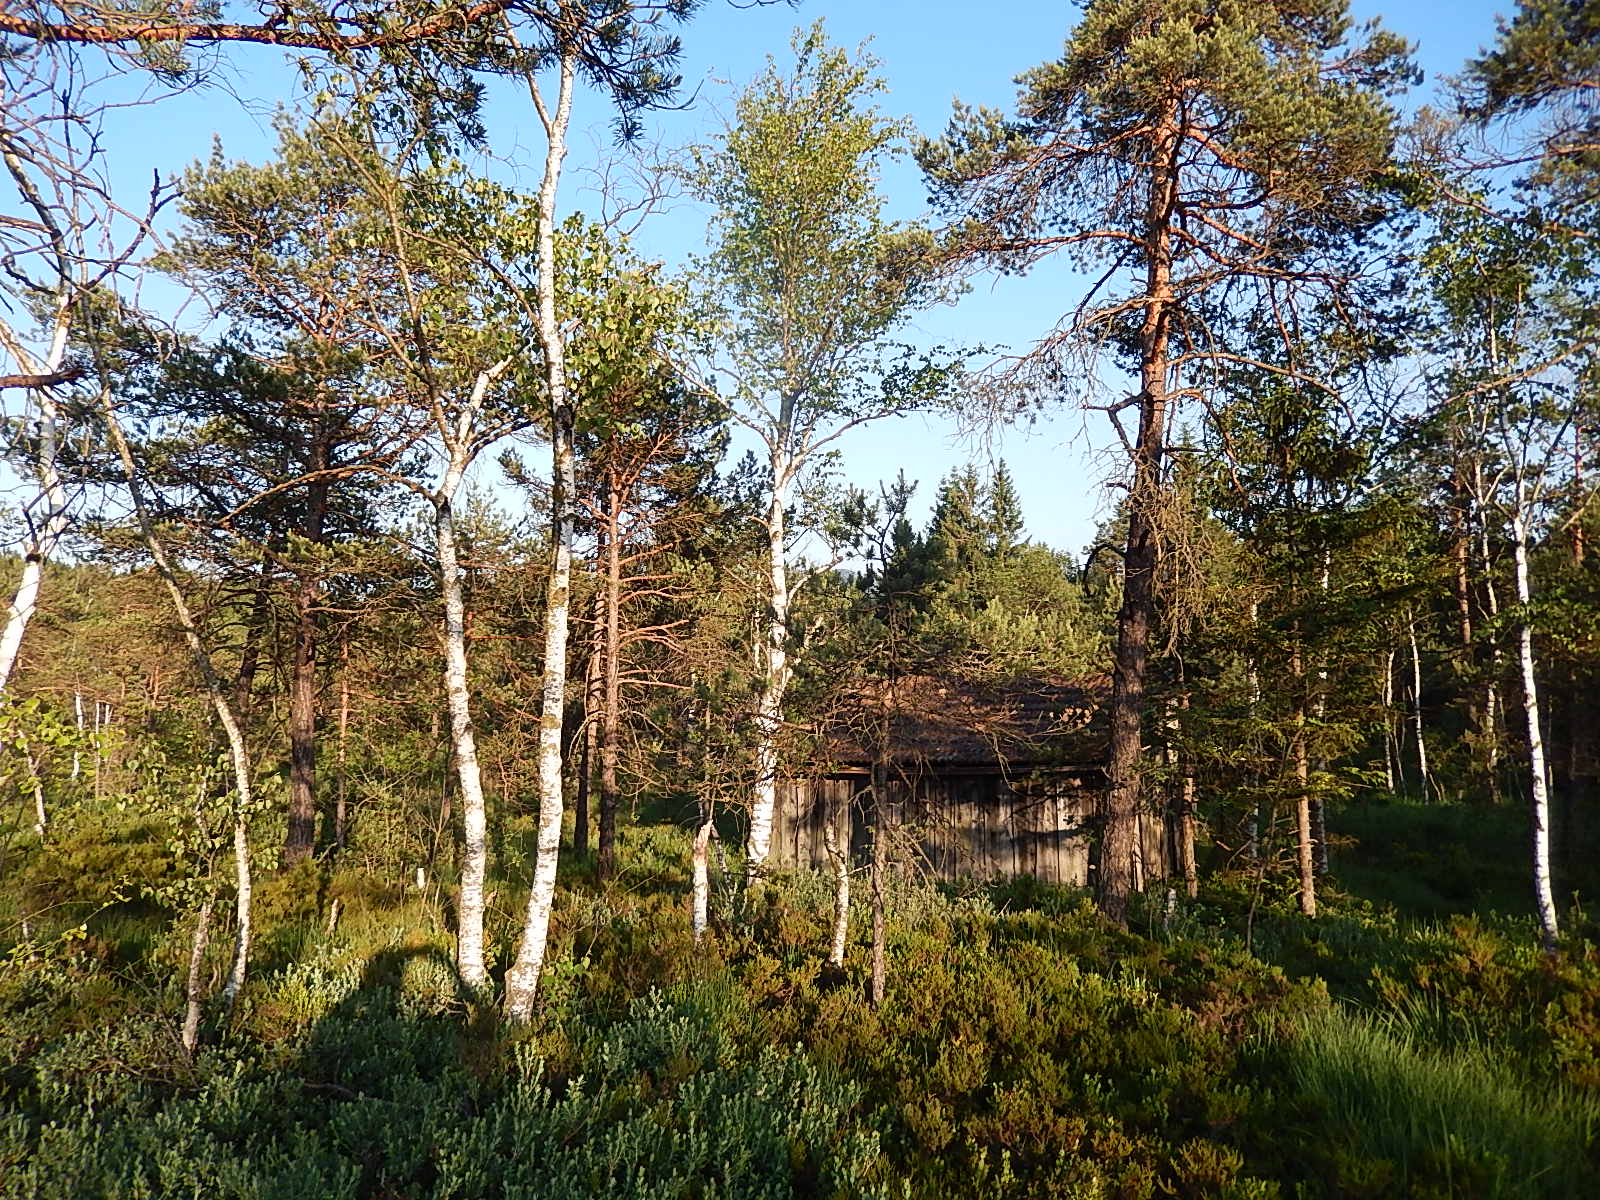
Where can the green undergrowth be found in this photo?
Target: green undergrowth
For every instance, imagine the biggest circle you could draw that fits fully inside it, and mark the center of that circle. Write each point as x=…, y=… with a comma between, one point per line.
x=1026, y=1049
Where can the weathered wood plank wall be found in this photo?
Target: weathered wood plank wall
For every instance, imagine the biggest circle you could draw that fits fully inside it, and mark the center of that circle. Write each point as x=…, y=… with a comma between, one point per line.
x=960, y=826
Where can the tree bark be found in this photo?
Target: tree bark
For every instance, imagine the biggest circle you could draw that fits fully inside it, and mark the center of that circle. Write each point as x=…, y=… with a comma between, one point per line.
x=1416, y=702
x=1119, y=850
x=474, y=817
x=1186, y=820
x=43, y=535
x=611, y=712
x=1304, y=855
x=1492, y=708
x=775, y=665
x=301, y=838
x=341, y=811
x=593, y=698
x=880, y=862
x=841, y=892
x=214, y=690
x=194, y=987
x=702, y=873
x=1253, y=681
x=1538, y=774
x=41, y=819
x=77, y=714
x=1393, y=769
x=1319, y=711
x=522, y=980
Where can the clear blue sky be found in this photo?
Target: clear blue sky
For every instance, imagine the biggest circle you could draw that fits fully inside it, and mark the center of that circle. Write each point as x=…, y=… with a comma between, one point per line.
x=931, y=51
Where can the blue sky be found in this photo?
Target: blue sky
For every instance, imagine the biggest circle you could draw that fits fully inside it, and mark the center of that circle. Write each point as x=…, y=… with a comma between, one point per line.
x=930, y=52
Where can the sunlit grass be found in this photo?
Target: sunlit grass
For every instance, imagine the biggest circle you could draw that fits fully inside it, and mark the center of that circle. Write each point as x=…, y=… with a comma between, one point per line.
x=1462, y=1115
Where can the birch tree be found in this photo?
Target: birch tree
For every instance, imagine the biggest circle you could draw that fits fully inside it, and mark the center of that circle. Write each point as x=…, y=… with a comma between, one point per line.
x=1521, y=357
x=216, y=693
x=59, y=241
x=814, y=280
x=459, y=357
x=613, y=44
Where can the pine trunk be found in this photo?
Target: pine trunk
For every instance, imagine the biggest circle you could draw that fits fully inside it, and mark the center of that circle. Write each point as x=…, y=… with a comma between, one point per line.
x=880, y=863
x=1187, y=818
x=611, y=712
x=1120, y=841
x=300, y=840
x=593, y=698
x=1319, y=711
x=341, y=811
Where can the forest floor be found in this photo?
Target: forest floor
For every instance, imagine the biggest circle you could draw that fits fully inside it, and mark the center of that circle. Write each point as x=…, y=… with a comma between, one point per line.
x=1410, y=1041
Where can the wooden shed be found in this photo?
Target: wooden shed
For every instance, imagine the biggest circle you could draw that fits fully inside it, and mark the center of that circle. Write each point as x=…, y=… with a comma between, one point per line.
x=983, y=783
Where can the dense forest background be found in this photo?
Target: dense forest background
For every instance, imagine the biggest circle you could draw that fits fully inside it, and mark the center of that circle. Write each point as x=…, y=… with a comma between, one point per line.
x=407, y=660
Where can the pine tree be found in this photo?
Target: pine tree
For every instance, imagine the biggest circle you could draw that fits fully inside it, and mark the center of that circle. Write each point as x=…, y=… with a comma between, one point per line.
x=1215, y=159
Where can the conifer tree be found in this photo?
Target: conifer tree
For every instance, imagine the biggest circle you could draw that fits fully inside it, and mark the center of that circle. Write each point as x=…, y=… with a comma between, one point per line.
x=1213, y=158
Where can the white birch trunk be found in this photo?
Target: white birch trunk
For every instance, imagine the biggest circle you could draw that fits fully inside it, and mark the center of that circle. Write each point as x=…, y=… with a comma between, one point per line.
x=522, y=981
x=1416, y=702
x=775, y=669
x=460, y=437
x=1543, y=892
x=458, y=697
x=1393, y=773
x=214, y=691
x=45, y=533
x=841, y=893
x=1491, y=699
x=700, y=917
x=41, y=821
x=77, y=756
x=194, y=989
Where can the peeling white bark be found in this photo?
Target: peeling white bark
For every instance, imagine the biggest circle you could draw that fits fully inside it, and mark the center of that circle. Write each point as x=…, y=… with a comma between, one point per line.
x=1392, y=770
x=841, y=893
x=215, y=692
x=194, y=989
x=1538, y=777
x=1416, y=703
x=522, y=981
x=458, y=695
x=44, y=529
x=700, y=918
x=464, y=743
x=775, y=667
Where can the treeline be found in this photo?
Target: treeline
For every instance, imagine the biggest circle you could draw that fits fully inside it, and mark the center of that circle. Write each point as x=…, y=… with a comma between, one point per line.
x=1352, y=552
